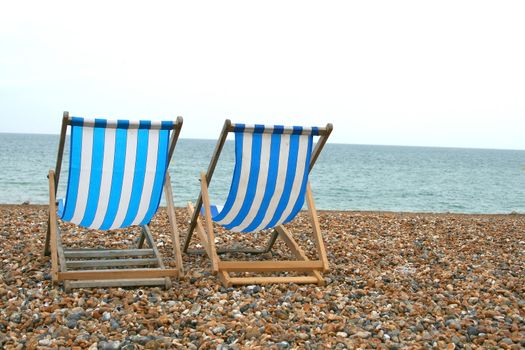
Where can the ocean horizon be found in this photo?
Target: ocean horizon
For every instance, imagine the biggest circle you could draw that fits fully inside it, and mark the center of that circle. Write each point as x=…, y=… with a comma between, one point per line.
x=345, y=177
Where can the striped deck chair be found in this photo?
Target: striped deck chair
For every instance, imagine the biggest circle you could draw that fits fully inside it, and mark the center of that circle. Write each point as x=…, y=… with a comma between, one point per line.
x=117, y=172
x=268, y=189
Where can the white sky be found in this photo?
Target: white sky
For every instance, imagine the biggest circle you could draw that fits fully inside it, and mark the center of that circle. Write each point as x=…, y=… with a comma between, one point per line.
x=432, y=73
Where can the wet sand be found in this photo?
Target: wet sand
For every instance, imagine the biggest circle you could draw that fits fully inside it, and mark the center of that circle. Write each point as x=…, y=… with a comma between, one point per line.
x=397, y=280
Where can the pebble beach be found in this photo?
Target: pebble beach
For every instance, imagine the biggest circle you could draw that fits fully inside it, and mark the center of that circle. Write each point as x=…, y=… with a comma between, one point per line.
x=396, y=281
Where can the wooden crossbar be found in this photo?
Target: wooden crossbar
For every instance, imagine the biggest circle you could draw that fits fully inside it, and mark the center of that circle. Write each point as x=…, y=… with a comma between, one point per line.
x=111, y=262
x=269, y=266
x=107, y=253
x=116, y=274
x=118, y=283
x=271, y=280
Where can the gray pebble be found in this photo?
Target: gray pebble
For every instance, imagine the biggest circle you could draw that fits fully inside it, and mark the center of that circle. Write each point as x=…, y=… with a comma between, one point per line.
x=471, y=330
x=71, y=323
x=196, y=309
x=507, y=341
x=139, y=339
x=15, y=317
x=219, y=330
x=109, y=345
x=114, y=324
x=283, y=345
x=106, y=316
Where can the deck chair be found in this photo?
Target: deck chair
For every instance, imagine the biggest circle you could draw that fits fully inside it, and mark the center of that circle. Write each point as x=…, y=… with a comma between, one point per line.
x=268, y=189
x=117, y=171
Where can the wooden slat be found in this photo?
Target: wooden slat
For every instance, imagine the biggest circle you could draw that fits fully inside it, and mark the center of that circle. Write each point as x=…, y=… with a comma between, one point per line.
x=224, y=278
x=61, y=143
x=53, y=227
x=62, y=258
x=117, y=274
x=118, y=283
x=229, y=250
x=320, y=144
x=268, y=266
x=318, y=238
x=209, y=225
x=168, y=191
x=269, y=280
x=248, y=128
x=106, y=253
x=111, y=262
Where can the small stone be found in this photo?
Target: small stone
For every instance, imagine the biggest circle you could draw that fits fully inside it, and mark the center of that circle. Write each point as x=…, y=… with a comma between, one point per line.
x=93, y=346
x=109, y=345
x=114, y=324
x=139, y=339
x=374, y=315
x=453, y=323
x=164, y=319
x=451, y=346
x=44, y=342
x=71, y=323
x=471, y=330
x=196, y=309
x=342, y=334
x=106, y=316
x=252, y=332
x=507, y=341
x=219, y=330
x=473, y=300
x=363, y=334
x=283, y=345
x=281, y=315
x=15, y=317
x=304, y=336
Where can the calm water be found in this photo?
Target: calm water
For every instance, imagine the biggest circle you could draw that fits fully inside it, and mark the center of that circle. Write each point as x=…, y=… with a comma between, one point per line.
x=346, y=177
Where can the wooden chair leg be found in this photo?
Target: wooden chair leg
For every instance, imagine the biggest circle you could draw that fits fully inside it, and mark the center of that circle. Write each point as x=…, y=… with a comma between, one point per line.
x=318, y=238
x=47, y=251
x=53, y=228
x=209, y=225
x=140, y=243
x=173, y=224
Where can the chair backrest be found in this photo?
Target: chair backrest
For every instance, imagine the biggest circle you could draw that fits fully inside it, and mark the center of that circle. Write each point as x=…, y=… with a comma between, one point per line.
x=270, y=176
x=117, y=170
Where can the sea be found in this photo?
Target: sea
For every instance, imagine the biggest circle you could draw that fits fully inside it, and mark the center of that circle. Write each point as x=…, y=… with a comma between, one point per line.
x=345, y=177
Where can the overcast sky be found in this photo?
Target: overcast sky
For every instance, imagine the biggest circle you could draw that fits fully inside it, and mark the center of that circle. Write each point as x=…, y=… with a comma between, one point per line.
x=429, y=73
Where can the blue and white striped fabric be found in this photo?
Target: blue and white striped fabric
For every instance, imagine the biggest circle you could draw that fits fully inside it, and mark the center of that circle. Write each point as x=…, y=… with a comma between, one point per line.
x=270, y=177
x=116, y=172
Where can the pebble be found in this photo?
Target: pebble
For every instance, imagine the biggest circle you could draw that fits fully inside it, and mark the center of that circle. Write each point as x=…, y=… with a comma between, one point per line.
x=218, y=330
x=471, y=330
x=363, y=334
x=44, y=342
x=196, y=309
x=109, y=345
x=396, y=281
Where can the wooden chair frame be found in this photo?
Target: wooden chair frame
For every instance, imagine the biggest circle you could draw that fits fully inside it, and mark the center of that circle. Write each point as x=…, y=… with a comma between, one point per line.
x=311, y=268
x=147, y=266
